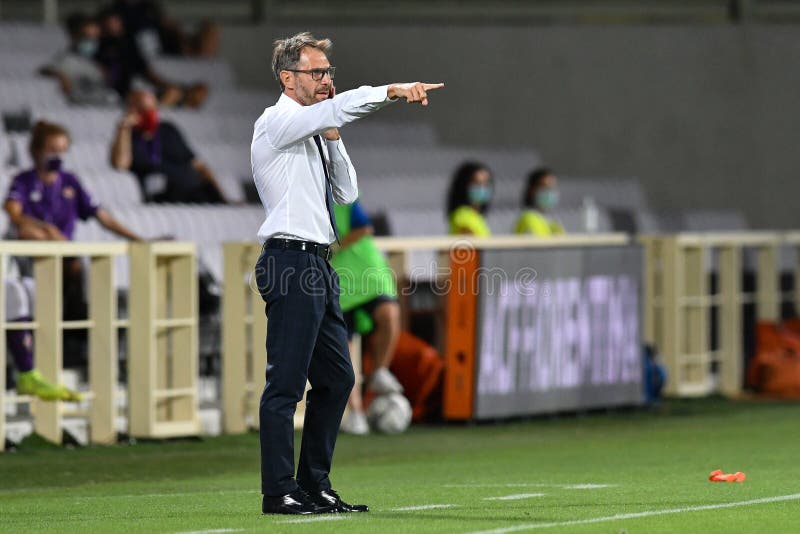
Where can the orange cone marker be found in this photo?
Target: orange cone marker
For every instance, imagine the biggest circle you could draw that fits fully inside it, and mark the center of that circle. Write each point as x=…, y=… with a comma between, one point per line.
x=718, y=476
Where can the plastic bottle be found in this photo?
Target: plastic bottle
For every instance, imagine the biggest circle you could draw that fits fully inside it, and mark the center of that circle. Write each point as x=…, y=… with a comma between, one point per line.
x=591, y=215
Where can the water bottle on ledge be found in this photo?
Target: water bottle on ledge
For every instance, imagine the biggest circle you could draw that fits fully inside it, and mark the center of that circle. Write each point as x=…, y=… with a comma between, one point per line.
x=591, y=215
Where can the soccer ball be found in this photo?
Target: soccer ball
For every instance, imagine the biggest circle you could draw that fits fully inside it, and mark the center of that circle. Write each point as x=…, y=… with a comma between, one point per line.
x=390, y=413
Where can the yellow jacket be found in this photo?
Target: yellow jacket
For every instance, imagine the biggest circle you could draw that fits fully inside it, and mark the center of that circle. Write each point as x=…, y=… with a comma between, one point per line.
x=468, y=218
x=535, y=222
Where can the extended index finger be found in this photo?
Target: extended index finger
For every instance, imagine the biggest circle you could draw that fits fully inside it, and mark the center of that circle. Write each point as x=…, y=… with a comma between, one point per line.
x=432, y=86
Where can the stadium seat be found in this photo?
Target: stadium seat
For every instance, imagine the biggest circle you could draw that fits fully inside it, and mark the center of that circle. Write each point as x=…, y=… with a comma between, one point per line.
x=29, y=93
x=714, y=220
x=111, y=188
x=37, y=39
x=216, y=73
x=502, y=221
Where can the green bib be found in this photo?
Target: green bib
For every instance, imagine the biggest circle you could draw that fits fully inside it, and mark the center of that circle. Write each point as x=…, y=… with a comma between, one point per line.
x=364, y=273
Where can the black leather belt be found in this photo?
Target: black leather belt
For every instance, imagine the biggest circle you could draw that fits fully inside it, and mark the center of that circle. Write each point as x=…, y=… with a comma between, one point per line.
x=323, y=251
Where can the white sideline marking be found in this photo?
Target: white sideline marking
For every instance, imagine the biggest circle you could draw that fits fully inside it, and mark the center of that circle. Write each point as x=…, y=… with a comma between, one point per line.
x=155, y=495
x=214, y=531
x=531, y=485
x=515, y=497
x=332, y=517
x=422, y=507
x=636, y=515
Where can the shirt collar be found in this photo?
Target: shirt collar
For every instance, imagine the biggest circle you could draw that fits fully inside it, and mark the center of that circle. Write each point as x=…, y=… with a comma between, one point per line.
x=286, y=100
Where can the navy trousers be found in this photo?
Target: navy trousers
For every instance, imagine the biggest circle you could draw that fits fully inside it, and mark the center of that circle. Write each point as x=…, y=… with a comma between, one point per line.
x=306, y=339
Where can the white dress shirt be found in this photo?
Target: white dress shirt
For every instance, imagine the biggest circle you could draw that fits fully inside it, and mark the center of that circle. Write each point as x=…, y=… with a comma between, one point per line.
x=287, y=168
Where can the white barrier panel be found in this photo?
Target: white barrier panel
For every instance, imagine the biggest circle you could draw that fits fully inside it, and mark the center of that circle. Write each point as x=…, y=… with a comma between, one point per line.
x=162, y=374
x=48, y=327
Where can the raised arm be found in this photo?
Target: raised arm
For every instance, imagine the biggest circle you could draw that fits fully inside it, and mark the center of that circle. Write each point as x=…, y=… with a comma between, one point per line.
x=286, y=126
x=121, y=149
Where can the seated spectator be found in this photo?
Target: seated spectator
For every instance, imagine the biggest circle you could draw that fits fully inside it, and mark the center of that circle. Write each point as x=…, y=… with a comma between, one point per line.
x=368, y=298
x=44, y=203
x=539, y=198
x=146, y=19
x=124, y=64
x=81, y=79
x=468, y=200
x=146, y=145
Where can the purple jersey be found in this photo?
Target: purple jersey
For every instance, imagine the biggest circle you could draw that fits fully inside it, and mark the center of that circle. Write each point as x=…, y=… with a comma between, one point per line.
x=59, y=203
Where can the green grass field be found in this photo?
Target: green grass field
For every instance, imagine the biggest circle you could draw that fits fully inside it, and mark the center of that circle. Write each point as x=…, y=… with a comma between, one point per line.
x=615, y=472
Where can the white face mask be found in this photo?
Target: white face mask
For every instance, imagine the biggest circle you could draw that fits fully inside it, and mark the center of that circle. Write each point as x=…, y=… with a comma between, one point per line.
x=87, y=47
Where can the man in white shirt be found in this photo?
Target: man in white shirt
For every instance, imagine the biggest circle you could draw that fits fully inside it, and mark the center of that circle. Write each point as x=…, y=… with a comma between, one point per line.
x=299, y=177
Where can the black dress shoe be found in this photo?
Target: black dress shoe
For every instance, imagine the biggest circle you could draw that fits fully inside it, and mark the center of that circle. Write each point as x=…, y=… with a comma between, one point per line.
x=296, y=502
x=332, y=500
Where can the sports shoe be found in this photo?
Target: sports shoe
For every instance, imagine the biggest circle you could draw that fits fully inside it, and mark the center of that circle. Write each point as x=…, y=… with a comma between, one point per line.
x=33, y=383
x=295, y=503
x=331, y=499
x=355, y=423
x=383, y=382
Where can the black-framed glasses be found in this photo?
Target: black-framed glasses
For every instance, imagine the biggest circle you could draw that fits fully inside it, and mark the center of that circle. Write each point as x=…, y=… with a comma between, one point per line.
x=317, y=74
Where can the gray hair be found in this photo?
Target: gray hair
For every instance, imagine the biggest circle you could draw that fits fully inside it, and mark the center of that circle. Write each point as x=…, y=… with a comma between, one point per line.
x=287, y=51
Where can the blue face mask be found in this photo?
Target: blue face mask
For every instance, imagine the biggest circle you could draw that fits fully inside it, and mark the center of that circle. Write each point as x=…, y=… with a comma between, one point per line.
x=547, y=199
x=87, y=47
x=479, y=194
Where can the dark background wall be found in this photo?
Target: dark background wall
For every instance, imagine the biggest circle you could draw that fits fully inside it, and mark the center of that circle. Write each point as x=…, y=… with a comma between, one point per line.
x=704, y=116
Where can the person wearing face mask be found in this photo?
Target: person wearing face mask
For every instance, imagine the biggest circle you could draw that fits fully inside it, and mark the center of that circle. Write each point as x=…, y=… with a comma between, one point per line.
x=44, y=203
x=125, y=65
x=80, y=77
x=146, y=145
x=468, y=200
x=539, y=199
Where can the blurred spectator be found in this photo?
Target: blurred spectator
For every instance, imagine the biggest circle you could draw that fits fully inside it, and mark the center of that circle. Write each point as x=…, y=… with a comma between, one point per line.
x=368, y=298
x=146, y=145
x=539, y=198
x=44, y=203
x=148, y=22
x=81, y=79
x=124, y=63
x=469, y=198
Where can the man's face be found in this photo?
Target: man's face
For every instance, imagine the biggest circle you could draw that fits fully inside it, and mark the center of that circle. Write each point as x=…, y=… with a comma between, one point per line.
x=306, y=90
x=142, y=101
x=112, y=26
